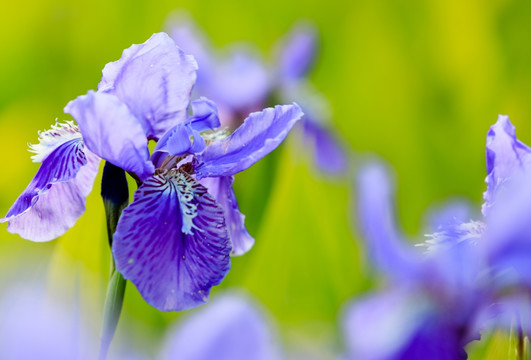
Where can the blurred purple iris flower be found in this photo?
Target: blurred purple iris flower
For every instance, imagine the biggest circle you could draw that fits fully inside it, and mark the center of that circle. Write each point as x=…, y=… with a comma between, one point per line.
x=431, y=309
x=474, y=275
x=232, y=327
x=175, y=239
x=240, y=81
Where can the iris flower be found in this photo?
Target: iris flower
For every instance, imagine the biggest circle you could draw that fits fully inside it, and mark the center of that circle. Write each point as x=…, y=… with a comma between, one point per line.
x=431, y=307
x=239, y=80
x=474, y=274
x=175, y=239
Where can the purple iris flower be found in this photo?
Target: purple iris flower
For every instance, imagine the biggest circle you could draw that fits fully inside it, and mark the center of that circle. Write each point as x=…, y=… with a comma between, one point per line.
x=239, y=81
x=231, y=327
x=432, y=307
x=175, y=239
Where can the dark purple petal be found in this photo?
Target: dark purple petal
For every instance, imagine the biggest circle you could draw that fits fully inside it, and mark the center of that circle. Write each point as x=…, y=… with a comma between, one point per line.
x=297, y=51
x=172, y=242
x=387, y=249
x=506, y=157
x=112, y=132
x=260, y=134
x=55, y=198
x=221, y=189
x=154, y=80
x=230, y=328
x=329, y=155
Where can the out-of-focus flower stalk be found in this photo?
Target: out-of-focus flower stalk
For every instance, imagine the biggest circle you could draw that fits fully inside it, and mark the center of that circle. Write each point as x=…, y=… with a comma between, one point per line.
x=115, y=195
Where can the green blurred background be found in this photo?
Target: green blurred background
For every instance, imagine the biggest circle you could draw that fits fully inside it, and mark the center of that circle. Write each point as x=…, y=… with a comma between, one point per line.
x=418, y=83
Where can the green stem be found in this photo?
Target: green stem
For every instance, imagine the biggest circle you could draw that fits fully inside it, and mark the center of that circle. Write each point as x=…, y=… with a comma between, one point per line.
x=115, y=194
x=111, y=311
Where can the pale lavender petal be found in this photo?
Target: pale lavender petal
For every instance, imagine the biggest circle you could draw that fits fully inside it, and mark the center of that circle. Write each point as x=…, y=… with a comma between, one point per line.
x=154, y=80
x=55, y=198
x=172, y=242
x=260, y=134
x=330, y=157
x=297, y=51
x=450, y=213
x=240, y=80
x=221, y=189
x=387, y=248
x=112, y=132
x=230, y=328
x=506, y=157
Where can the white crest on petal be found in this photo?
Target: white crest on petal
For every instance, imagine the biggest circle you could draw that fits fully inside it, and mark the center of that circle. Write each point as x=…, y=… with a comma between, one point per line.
x=455, y=234
x=50, y=140
x=185, y=191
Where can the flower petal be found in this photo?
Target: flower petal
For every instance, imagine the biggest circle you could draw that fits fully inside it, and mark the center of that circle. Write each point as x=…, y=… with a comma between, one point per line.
x=172, y=242
x=55, y=198
x=154, y=80
x=112, y=132
x=399, y=325
x=260, y=134
x=230, y=327
x=192, y=40
x=506, y=157
x=221, y=189
x=297, y=51
x=240, y=81
x=176, y=141
x=386, y=247
x=329, y=156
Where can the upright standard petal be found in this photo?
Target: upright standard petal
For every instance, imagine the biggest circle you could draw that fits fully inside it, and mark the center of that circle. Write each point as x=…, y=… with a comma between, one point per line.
x=55, y=198
x=111, y=131
x=506, y=157
x=260, y=134
x=185, y=137
x=297, y=51
x=221, y=189
x=154, y=80
x=377, y=225
x=230, y=328
x=172, y=242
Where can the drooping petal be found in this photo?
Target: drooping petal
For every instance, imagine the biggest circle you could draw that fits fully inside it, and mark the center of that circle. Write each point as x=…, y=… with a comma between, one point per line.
x=231, y=327
x=329, y=156
x=506, y=157
x=297, y=51
x=55, y=198
x=112, y=132
x=387, y=248
x=221, y=189
x=154, y=80
x=260, y=134
x=172, y=242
